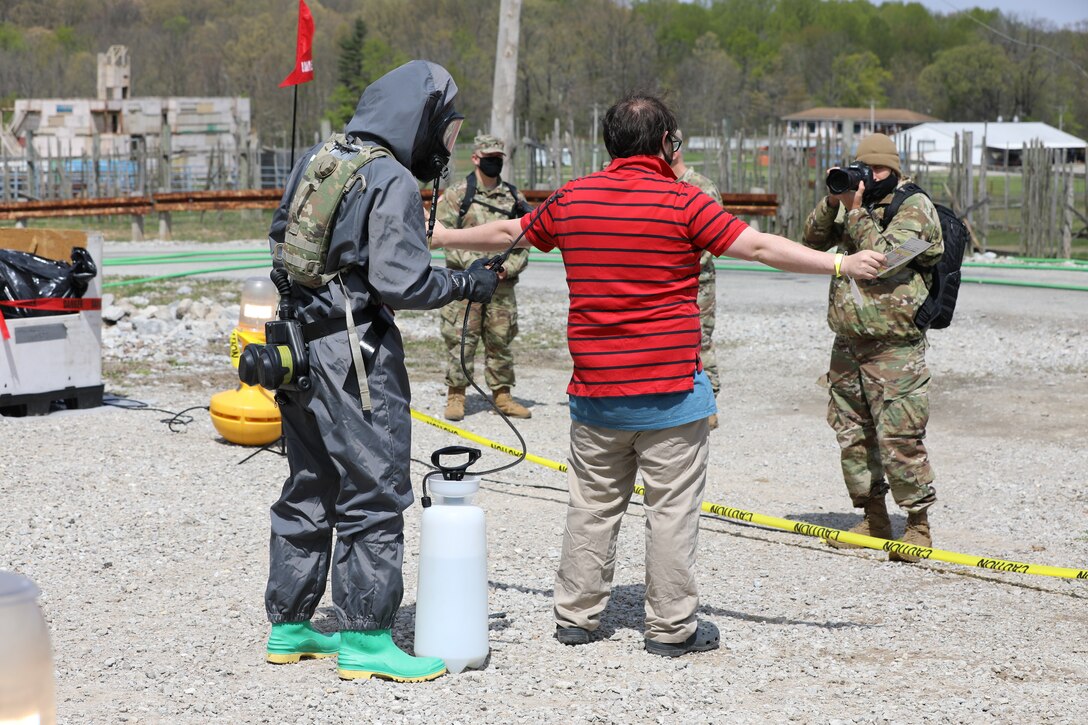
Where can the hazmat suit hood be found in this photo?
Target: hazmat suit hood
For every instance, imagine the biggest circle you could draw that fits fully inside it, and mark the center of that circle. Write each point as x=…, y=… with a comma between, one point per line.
x=407, y=111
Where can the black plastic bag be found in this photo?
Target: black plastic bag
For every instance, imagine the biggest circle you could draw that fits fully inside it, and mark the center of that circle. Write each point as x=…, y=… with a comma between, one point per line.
x=26, y=276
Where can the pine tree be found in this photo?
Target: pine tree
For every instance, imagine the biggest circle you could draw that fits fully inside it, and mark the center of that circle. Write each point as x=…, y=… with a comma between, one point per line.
x=350, y=77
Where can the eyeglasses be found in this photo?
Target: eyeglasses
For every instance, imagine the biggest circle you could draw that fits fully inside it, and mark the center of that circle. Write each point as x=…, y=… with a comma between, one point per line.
x=676, y=142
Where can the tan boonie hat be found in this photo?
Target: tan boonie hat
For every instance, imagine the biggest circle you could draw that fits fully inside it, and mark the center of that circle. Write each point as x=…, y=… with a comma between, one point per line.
x=485, y=143
x=879, y=150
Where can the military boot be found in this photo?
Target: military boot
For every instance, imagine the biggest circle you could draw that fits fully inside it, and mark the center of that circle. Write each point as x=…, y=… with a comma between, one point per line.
x=915, y=536
x=366, y=654
x=509, y=406
x=876, y=523
x=455, y=404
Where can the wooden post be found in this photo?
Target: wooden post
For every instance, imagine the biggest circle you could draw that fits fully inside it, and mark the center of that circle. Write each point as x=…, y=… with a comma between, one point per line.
x=1067, y=214
x=984, y=196
x=557, y=156
x=137, y=227
x=1008, y=222
x=575, y=154
x=504, y=87
x=595, y=163
x=166, y=143
x=1053, y=176
x=31, y=167
x=1027, y=206
x=968, y=188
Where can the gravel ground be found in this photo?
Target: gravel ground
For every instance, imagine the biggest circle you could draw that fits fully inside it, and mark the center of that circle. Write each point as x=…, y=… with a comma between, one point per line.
x=150, y=545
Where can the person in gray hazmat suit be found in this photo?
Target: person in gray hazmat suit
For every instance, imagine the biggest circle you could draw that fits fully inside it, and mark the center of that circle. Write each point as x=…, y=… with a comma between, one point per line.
x=349, y=468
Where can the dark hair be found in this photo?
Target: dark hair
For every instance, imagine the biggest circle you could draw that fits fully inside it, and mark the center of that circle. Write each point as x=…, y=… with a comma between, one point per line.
x=635, y=124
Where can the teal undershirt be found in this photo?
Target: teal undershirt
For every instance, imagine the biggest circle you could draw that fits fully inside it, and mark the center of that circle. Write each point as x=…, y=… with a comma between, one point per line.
x=646, y=412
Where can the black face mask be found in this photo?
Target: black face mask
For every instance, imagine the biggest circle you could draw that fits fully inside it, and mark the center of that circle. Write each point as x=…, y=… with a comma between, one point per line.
x=491, y=166
x=880, y=189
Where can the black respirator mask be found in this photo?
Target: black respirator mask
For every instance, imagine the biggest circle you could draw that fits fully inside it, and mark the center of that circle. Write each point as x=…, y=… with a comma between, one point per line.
x=491, y=166
x=879, y=189
x=429, y=159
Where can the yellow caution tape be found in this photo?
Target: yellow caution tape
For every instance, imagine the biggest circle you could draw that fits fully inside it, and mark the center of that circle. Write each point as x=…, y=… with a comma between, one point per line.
x=239, y=338
x=800, y=527
x=424, y=418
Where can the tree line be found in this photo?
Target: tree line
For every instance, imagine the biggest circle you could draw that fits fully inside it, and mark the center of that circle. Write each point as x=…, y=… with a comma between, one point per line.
x=737, y=64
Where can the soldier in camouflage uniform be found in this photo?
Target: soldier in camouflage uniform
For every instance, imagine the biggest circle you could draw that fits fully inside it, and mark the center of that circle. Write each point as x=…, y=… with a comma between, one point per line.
x=497, y=321
x=708, y=277
x=879, y=382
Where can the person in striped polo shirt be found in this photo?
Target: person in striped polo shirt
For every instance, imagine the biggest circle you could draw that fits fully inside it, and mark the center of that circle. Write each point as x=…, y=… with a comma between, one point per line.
x=631, y=237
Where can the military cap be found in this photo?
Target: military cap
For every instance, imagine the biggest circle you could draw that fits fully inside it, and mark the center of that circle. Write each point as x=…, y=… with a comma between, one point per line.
x=485, y=143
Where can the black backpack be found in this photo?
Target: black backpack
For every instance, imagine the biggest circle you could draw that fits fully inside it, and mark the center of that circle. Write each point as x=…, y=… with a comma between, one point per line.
x=518, y=210
x=936, y=312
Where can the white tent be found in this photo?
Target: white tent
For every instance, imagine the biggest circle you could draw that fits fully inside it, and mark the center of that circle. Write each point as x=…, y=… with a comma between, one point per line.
x=933, y=142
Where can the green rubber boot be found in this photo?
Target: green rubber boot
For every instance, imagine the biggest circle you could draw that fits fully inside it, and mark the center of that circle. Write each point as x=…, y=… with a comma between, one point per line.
x=293, y=641
x=369, y=654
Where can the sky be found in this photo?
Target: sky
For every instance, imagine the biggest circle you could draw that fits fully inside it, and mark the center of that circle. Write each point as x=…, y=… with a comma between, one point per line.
x=1059, y=12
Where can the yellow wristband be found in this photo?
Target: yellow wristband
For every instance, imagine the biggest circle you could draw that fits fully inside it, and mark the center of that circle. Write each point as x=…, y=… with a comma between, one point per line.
x=838, y=264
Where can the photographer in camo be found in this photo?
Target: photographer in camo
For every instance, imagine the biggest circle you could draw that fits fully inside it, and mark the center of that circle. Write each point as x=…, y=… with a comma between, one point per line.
x=878, y=379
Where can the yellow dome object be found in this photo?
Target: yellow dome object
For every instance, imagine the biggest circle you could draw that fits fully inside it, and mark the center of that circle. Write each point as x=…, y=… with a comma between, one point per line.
x=247, y=416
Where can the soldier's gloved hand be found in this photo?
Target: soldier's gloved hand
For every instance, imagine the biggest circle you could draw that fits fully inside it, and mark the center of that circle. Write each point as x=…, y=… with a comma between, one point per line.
x=475, y=284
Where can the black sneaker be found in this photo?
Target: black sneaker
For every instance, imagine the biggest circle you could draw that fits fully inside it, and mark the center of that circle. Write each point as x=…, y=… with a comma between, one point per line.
x=571, y=635
x=704, y=638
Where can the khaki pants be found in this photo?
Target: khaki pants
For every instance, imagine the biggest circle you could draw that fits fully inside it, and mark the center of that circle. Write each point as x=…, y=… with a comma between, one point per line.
x=601, y=477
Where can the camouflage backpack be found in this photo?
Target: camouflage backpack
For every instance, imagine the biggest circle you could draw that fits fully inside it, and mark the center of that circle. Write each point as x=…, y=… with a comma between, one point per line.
x=329, y=175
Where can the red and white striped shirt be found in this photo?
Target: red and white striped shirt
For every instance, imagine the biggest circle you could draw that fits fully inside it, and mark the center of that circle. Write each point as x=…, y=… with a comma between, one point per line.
x=631, y=237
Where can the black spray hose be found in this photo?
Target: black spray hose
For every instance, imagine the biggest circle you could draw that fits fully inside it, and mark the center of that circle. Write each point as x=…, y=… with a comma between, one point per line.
x=279, y=277
x=498, y=260
x=434, y=210
x=495, y=263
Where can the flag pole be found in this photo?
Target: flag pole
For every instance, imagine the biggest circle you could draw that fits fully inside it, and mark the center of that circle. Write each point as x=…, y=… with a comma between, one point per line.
x=294, y=115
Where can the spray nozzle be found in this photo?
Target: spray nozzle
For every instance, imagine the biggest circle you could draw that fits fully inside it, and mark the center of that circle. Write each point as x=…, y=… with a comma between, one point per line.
x=448, y=471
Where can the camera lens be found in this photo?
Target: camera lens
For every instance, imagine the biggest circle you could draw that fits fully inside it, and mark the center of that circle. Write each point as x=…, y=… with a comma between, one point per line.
x=838, y=181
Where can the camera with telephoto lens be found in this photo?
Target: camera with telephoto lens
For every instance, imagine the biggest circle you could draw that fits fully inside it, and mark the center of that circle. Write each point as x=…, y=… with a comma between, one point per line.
x=281, y=363
x=843, y=180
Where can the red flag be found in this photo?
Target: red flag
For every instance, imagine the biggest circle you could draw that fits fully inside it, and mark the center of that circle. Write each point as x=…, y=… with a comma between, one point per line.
x=304, y=52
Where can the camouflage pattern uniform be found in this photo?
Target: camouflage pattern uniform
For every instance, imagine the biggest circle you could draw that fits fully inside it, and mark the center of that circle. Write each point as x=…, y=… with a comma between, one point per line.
x=879, y=382
x=708, y=286
x=497, y=321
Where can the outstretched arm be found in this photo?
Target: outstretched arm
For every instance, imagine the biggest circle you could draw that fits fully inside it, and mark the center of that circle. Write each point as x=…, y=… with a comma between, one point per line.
x=491, y=237
x=781, y=253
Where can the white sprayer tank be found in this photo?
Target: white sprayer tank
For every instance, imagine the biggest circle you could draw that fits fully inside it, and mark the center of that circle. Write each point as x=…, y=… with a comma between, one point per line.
x=451, y=597
x=26, y=659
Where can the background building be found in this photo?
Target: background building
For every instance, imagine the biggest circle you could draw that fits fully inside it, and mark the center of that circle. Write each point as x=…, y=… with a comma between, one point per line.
x=197, y=137
x=934, y=142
